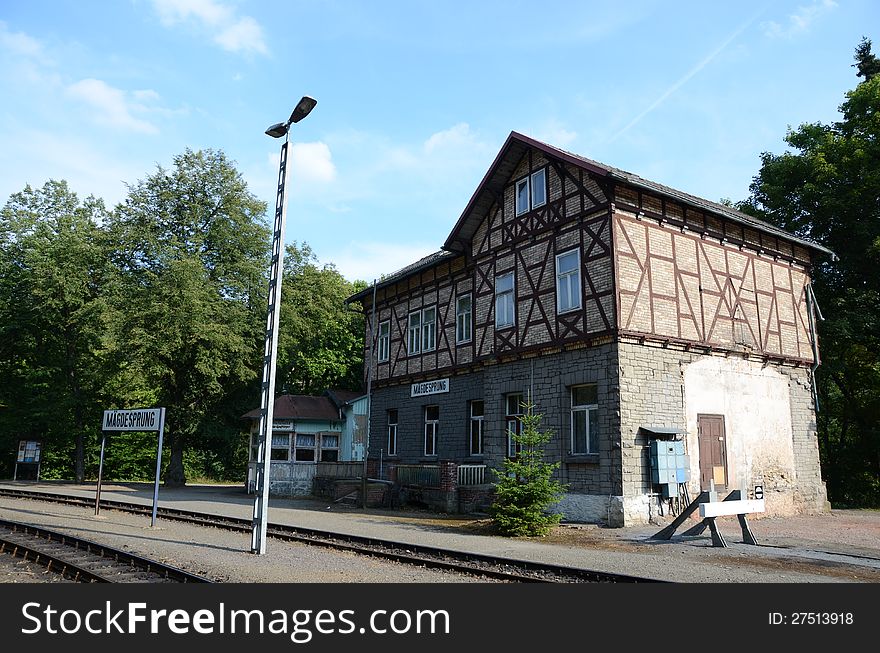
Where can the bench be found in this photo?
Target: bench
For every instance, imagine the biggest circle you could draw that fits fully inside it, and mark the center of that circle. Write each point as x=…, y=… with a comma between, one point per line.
x=733, y=504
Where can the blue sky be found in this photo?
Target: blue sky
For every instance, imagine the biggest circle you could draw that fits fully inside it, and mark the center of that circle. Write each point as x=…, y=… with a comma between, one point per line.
x=414, y=98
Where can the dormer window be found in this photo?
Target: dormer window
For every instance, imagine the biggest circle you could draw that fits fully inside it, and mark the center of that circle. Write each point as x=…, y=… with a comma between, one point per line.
x=531, y=192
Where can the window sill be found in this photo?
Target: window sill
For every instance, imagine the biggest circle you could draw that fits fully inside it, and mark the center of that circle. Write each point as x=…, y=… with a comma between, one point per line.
x=583, y=458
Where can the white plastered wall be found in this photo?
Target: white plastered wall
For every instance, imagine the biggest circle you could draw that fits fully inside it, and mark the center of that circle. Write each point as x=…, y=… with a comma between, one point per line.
x=755, y=401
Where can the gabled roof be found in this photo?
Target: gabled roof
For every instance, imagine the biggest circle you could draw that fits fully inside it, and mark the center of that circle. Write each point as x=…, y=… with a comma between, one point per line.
x=423, y=263
x=515, y=147
x=342, y=397
x=300, y=407
x=498, y=176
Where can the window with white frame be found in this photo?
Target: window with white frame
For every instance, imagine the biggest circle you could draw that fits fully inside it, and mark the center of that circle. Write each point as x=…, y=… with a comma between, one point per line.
x=329, y=447
x=504, y=301
x=392, y=432
x=531, y=191
x=539, y=188
x=305, y=447
x=280, y=446
x=522, y=196
x=432, y=425
x=422, y=332
x=514, y=413
x=463, y=319
x=414, y=343
x=476, y=430
x=568, y=281
x=383, y=343
x=584, y=419
x=429, y=329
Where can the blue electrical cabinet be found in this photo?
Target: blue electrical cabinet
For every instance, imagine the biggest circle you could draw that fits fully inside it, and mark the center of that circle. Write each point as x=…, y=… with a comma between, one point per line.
x=670, y=465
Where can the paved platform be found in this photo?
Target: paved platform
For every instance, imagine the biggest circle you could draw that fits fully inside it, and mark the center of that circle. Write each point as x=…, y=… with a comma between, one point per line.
x=628, y=551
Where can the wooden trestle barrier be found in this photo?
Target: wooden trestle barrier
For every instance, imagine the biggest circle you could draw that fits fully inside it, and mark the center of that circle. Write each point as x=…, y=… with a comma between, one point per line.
x=709, y=510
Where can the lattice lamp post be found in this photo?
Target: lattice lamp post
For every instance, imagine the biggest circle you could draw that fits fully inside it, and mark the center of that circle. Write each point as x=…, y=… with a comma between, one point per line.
x=270, y=351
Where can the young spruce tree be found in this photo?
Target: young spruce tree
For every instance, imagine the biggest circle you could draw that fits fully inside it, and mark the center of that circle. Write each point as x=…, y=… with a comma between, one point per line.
x=525, y=488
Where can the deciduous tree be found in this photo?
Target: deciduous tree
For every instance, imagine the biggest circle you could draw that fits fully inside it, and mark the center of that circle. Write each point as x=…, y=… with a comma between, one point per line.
x=192, y=249
x=827, y=188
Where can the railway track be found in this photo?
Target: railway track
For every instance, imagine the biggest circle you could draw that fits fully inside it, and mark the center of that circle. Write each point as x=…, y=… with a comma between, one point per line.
x=83, y=560
x=487, y=566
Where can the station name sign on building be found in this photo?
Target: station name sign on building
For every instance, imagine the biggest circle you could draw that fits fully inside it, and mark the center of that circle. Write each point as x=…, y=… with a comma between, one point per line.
x=142, y=419
x=429, y=388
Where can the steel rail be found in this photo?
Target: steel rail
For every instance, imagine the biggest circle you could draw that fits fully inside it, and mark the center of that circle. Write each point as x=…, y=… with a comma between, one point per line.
x=499, y=568
x=77, y=558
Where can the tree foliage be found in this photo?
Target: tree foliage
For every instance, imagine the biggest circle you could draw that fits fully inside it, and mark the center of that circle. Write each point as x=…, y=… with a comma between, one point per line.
x=191, y=251
x=525, y=488
x=827, y=188
x=53, y=318
x=320, y=341
x=161, y=302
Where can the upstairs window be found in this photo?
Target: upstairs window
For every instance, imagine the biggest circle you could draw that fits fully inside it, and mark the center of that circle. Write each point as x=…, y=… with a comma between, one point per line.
x=539, y=188
x=531, y=192
x=568, y=282
x=429, y=329
x=422, y=332
x=504, y=301
x=384, y=340
x=414, y=343
x=522, y=196
x=463, y=319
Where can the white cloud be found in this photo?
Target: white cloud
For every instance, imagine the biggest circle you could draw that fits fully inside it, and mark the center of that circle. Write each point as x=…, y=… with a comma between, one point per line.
x=20, y=43
x=366, y=261
x=800, y=21
x=312, y=163
x=555, y=133
x=455, y=137
x=40, y=155
x=230, y=31
x=113, y=106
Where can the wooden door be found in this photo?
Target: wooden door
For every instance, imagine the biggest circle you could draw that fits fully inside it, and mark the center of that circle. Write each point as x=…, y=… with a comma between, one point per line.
x=713, y=451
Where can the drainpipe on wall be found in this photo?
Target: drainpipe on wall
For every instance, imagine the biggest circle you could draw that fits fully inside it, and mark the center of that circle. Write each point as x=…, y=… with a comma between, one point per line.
x=369, y=397
x=812, y=305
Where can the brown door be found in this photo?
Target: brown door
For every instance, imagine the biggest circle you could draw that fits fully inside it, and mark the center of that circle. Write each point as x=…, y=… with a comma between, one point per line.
x=713, y=451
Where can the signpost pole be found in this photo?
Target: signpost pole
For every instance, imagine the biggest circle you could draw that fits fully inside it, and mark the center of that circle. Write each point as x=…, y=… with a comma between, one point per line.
x=158, y=467
x=100, y=473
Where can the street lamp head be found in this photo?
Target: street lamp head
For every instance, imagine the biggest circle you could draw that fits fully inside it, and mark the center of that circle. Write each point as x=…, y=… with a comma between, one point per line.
x=277, y=130
x=303, y=108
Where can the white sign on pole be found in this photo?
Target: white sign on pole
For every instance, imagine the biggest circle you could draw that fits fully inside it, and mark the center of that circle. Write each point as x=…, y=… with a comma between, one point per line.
x=140, y=419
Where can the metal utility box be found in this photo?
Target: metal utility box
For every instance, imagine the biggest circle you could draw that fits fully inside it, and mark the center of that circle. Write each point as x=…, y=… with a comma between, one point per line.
x=669, y=463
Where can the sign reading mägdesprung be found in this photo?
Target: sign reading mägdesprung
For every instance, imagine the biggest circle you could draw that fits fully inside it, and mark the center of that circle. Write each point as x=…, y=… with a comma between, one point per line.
x=430, y=388
x=139, y=419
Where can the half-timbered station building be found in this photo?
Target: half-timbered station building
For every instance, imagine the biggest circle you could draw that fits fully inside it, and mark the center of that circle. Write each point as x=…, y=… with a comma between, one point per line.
x=629, y=313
